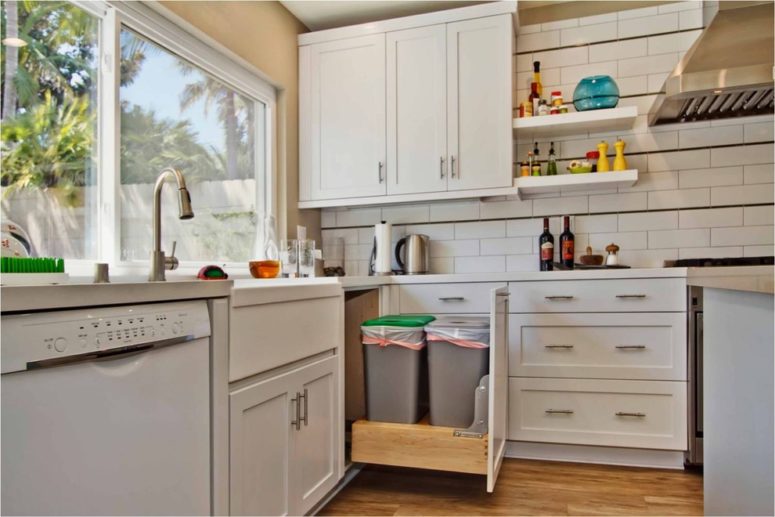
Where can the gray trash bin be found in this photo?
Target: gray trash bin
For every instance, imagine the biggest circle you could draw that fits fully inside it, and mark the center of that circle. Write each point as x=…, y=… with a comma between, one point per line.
x=396, y=368
x=458, y=357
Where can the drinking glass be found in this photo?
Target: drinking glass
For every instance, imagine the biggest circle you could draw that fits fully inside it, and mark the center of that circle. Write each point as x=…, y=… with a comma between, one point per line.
x=289, y=256
x=306, y=258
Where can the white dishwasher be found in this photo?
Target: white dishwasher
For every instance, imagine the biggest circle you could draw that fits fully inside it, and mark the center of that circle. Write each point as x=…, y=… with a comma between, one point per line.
x=107, y=411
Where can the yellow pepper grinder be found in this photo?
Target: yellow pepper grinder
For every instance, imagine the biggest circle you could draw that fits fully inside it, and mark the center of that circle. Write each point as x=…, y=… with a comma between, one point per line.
x=602, y=160
x=620, y=164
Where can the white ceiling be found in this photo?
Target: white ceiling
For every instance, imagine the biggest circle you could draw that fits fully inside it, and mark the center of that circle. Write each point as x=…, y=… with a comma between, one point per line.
x=327, y=14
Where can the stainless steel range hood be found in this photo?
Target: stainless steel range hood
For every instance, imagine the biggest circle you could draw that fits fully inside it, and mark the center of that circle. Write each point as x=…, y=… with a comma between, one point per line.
x=727, y=73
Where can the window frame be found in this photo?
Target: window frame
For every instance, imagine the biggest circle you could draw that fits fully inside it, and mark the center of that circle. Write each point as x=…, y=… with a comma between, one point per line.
x=154, y=22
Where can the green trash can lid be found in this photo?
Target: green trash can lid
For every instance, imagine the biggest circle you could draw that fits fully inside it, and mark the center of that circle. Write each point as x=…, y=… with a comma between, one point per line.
x=414, y=320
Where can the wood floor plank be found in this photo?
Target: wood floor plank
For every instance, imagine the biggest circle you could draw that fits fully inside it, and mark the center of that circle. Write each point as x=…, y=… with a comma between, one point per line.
x=525, y=487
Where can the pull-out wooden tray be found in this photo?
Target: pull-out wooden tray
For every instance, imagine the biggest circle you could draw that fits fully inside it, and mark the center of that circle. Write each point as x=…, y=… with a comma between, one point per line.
x=418, y=445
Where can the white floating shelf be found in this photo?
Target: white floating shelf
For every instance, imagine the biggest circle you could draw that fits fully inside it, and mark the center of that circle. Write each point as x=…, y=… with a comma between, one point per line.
x=532, y=185
x=579, y=122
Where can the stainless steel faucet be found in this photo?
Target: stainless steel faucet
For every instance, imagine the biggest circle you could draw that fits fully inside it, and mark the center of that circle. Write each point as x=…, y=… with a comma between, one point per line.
x=160, y=263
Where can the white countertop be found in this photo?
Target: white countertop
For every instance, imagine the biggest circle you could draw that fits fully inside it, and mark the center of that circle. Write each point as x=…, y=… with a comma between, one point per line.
x=755, y=279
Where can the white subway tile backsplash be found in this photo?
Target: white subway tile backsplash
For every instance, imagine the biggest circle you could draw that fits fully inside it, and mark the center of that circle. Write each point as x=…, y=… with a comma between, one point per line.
x=440, y=232
x=617, y=50
x=559, y=24
x=759, y=173
x=658, y=24
x=597, y=19
x=685, y=198
x=638, y=13
x=357, y=251
x=480, y=264
x=696, y=238
x=667, y=220
x=327, y=218
x=643, y=102
x=681, y=5
x=574, y=74
x=711, y=217
x=742, y=236
x=691, y=19
x=561, y=205
x=524, y=227
x=629, y=202
x=459, y=248
x=758, y=251
x=710, y=177
x=625, y=240
x=537, y=41
x=668, y=43
x=524, y=63
x=406, y=214
x=646, y=258
x=358, y=217
x=656, y=81
x=595, y=223
x=561, y=57
x=667, y=180
x=507, y=246
x=718, y=252
x=528, y=29
x=549, y=77
x=759, y=132
x=711, y=136
x=746, y=155
x=442, y=265
x=522, y=262
x=637, y=85
x=457, y=211
x=480, y=230
x=588, y=34
x=758, y=215
x=505, y=209
x=680, y=160
x=647, y=64
x=741, y=195
x=349, y=235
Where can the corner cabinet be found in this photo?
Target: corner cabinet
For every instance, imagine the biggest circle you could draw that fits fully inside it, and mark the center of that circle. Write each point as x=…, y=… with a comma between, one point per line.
x=418, y=111
x=284, y=445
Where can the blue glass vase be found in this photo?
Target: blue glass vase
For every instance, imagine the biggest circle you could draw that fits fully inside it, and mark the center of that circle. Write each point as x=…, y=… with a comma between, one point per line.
x=596, y=92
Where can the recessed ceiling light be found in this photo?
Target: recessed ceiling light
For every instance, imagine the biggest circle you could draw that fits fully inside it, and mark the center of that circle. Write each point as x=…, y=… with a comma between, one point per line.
x=14, y=42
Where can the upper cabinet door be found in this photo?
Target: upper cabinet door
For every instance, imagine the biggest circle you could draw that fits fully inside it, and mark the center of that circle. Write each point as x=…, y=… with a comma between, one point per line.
x=479, y=103
x=497, y=424
x=416, y=110
x=346, y=132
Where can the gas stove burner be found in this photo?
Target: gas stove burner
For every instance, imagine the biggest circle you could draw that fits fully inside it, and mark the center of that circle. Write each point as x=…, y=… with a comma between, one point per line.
x=725, y=262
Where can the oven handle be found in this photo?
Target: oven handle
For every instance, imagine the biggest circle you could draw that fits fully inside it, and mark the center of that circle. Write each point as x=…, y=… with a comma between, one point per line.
x=108, y=355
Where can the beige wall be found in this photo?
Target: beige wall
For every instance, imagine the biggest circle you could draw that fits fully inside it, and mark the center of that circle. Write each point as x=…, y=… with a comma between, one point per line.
x=264, y=34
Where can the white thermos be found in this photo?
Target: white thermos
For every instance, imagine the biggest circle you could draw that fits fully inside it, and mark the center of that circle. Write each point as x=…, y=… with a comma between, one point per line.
x=382, y=252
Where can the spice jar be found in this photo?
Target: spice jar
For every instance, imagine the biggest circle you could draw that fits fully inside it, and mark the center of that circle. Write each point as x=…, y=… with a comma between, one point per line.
x=556, y=98
x=592, y=157
x=524, y=169
x=564, y=108
x=554, y=110
x=543, y=107
x=526, y=109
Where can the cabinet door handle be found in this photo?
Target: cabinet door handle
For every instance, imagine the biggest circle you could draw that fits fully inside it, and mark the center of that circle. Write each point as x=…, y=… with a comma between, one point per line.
x=452, y=166
x=441, y=167
x=379, y=172
x=631, y=347
x=559, y=347
x=297, y=423
x=625, y=413
x=628, y=296
x=305, y=418
x=559, y=411
x=558, y=298
x=451, y=299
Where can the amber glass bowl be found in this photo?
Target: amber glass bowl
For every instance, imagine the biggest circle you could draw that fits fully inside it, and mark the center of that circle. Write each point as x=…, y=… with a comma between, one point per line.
x=264, y=268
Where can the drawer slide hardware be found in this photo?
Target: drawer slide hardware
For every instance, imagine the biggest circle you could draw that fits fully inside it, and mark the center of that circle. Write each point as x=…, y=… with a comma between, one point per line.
x=559, y=411
x=481, y=402
x=558, y=298
x=559, y=347
x=624, y=413
x=631, y=347
x=631, y=296
x=451, y=298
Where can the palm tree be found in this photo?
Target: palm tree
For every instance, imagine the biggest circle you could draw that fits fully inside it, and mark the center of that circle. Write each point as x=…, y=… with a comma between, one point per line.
x=11, y=59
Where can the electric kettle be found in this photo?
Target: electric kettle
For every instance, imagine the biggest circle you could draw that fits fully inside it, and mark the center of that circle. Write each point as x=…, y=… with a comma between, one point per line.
x=416, y=256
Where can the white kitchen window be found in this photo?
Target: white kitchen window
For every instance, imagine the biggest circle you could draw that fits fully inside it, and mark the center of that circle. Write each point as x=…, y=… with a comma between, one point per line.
x=152, y=95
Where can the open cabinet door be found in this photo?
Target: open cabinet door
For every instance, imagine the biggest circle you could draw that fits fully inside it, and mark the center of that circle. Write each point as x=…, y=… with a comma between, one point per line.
x=499, y=383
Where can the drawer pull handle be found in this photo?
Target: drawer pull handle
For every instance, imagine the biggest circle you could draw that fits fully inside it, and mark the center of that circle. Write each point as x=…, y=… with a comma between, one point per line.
x=631, y=296
x=560, y=347
x=451, y=298
x=624, y=413
x=559, y=411
x=556, y=298
x=631, y=347
x=297, y=402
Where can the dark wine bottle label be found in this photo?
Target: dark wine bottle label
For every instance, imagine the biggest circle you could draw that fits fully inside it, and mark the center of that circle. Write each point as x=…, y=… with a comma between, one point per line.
x=547, y=251
x=567, y=250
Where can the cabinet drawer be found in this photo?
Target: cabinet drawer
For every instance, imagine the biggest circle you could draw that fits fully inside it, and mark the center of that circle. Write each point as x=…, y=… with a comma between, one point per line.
x=628, y=295
x=642, y=414
x=458, y=298
x=649, y=346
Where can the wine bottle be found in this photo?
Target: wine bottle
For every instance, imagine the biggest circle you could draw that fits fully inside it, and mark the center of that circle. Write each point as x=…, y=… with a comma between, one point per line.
x=536, y=88
x=546, y=245
x=551, y=165
x=567, y=244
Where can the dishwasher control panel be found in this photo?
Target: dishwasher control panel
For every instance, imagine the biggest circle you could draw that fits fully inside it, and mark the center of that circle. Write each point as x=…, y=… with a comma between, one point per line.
x=29, y=339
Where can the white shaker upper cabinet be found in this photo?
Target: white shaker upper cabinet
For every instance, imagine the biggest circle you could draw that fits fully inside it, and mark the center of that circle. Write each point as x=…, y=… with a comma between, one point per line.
x=416, y=110
x=479, y=103
x=344, y=137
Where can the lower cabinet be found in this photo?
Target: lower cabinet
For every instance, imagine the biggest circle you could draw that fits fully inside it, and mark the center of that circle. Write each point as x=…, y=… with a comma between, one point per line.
x=284, y=441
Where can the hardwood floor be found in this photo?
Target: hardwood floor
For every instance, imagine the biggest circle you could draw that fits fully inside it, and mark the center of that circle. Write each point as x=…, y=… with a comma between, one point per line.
x=525, y=487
